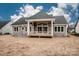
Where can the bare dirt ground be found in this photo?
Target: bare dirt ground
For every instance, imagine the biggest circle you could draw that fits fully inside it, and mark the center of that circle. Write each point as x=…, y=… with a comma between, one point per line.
x=18, y=46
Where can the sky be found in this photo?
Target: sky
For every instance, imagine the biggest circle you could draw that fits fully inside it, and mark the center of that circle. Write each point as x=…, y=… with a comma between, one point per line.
x=69, y=10
x=7, y=9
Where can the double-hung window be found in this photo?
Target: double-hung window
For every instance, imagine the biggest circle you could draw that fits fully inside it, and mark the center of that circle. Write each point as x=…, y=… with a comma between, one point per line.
x=62, y=29
x=55, y=29
x=59, y=29
x=25, y=28
x=15, y=28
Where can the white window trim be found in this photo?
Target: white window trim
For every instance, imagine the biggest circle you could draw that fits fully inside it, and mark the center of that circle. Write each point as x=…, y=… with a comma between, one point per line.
x=60, y=29
x=42, y=27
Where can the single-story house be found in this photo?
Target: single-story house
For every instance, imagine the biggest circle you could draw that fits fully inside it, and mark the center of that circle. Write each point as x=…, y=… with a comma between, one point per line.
x=40, y=24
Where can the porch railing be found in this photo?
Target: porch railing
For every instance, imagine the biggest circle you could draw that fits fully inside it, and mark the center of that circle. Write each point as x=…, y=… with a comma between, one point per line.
x=44, y=33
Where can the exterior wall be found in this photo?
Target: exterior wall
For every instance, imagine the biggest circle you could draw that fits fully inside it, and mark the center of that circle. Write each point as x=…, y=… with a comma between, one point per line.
x=21, y=30
x=77, y=27
x=30, y=23
x=64, y=33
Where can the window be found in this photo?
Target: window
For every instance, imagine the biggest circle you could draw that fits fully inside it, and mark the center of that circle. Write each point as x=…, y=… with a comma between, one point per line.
x=55, y=29
x=15, y=28
x=58, y=29
x=39, y=29
x=62, y=29
x=25, y=28
x=45, y=29
x=42, y=28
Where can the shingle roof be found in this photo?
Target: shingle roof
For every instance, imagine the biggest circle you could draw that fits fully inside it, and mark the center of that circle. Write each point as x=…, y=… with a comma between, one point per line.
x=60, y=20
x=20, y=21
x=39, y=15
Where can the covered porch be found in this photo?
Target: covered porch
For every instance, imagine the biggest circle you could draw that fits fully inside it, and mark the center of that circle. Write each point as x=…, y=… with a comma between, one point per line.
x=40, y=28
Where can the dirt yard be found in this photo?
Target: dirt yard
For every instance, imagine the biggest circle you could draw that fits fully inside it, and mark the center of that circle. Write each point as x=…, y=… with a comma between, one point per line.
x=18, y=46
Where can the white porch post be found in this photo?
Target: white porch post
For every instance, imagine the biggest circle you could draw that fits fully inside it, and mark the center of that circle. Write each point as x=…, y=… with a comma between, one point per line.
x=28, y=28
x=52, y=27
x=12, y=28
x=66, y=30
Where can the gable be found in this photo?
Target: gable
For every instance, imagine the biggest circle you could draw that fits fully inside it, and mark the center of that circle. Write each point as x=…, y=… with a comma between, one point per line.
x=60, y=20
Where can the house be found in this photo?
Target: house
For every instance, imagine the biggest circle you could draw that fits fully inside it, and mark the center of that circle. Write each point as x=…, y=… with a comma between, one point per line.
x=77, y=26
x=40, y=24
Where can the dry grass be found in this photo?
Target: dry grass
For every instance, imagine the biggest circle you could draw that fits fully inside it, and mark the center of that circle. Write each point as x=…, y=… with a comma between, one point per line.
x=19, y=46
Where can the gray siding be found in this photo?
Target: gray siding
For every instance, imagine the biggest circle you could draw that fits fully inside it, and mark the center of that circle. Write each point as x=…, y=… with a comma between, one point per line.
x=60, y=33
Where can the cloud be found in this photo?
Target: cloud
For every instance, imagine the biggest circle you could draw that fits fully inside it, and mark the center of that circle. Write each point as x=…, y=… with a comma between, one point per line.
x=30, y=10
x=56, y=11
x=71, y=24
x=71, y=8
x=64, y=5
x=74, y=5
x=26, y=11
x=15, y=17
x=39, y=8
x=65, y=9
x=21, y=9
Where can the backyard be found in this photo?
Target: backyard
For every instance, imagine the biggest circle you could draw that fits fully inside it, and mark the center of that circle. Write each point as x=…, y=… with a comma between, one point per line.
x=24, y=46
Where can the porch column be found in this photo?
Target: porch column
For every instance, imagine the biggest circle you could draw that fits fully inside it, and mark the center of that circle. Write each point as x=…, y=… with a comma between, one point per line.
x=12, y=30
x=32, y=27
x=52, y=27
x=28, y=28
x=66, y=30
